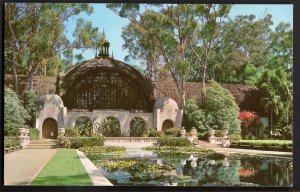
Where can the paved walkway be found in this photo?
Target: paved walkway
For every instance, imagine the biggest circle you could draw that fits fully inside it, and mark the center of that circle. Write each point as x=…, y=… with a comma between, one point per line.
x=21, y=167
x=253, y=152
x=95, y=174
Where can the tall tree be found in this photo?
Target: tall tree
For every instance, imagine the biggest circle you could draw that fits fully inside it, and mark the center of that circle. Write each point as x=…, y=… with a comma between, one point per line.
x=38, y=31
x=146, y=39
x=208, y=19
x=172, y=35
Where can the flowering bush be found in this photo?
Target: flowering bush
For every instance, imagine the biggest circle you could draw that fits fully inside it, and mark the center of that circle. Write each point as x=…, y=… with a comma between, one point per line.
x=249, y=123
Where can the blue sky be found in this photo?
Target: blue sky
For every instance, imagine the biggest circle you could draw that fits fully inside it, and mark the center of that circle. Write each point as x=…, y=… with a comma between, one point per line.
x=112, y=24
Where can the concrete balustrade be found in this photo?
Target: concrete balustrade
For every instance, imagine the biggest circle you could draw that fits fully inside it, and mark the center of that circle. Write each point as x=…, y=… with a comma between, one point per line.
x=224, y=141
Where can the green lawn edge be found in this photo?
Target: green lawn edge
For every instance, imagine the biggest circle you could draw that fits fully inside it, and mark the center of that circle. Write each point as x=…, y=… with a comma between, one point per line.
x=64, y=168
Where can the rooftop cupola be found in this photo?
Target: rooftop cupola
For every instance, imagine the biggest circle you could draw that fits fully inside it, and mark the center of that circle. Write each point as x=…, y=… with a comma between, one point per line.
x=103, y=46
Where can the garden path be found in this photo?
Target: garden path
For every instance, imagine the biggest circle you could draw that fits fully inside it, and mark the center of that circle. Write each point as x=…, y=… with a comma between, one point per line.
x=21, y=167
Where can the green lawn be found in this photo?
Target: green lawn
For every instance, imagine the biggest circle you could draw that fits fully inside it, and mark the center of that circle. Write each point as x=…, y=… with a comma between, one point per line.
x=64, y=168
x=269, y=141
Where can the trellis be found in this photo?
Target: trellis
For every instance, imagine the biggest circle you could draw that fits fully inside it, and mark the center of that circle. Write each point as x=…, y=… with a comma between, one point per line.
x=106, y=85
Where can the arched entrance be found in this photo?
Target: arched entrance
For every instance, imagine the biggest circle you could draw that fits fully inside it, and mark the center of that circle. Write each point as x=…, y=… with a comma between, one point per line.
x=50, y=129
x=167, y=124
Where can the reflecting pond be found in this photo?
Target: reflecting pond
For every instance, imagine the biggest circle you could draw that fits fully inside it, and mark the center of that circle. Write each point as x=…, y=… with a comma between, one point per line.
x=139, y=167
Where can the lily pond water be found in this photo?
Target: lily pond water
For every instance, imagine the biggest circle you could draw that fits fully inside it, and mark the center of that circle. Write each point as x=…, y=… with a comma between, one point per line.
x=141, y=167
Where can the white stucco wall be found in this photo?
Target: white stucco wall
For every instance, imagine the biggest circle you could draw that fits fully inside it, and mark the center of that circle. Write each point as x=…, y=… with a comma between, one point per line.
x=50, y=111
x=98, y=116
x=166, y=108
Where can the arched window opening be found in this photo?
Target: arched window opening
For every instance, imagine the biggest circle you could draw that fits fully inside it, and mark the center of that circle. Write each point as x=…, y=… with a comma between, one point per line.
x=138, y=127
x=110, y=127
x=85, y=126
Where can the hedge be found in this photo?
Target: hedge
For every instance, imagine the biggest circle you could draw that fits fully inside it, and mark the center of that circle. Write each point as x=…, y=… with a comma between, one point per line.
x=77, y=142
x=174, y=141
x=277, y=145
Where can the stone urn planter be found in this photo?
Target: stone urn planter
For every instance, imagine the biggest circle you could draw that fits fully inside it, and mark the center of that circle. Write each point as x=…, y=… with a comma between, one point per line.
x=22, y=131
x=225, y=132
x=61, y=131
x=194, y=133
x=26, y=132
x=182, y=132
x=212, y=133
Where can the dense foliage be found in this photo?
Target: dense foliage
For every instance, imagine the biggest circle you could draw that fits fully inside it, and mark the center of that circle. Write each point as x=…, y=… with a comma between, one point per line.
x=77, y=142
x=110, y=127
x=35, y=38
x=278, y=102
x=34, y=133
x=173, y=132
x=84, y=126
x=11, y=141
x=138, y=127
x=152, y=132
x=32, y=106
x=15, y=115
x=173, y=141
x=250, y=124
x=219, y=111
x=71, y=132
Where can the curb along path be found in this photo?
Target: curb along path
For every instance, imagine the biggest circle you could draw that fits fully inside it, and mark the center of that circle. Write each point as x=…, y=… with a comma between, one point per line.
x=96, y=176
x=22, y=166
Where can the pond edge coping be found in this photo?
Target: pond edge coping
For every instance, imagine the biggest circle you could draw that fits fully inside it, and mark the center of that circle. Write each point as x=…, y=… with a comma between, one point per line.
x=96, y=176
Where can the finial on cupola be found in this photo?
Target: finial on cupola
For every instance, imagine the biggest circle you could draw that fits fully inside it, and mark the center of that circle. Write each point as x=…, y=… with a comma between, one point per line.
x=103, y=46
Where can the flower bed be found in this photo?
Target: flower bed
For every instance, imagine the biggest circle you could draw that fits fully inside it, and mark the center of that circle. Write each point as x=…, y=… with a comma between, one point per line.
x=11, y=144
x=270, y=145
x=201, y=152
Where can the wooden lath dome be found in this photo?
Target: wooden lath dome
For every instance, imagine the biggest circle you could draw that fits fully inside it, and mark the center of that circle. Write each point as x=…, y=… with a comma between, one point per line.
x=105, y=83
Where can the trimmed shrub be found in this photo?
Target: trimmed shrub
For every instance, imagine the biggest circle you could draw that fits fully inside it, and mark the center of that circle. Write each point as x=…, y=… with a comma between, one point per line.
x=173, y=132
x=154, y=133
x=174, y=141
x=235, y=137
x=266, y=144
x=219, y=133
x=71, y=132
x=63, y=142
x=34, y=133
x=77, y=142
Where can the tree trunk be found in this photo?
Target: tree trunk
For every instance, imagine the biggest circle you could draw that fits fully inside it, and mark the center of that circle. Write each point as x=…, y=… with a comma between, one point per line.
x=15, y=74
x=13, y=43
x=271, y=124
x=30, y=78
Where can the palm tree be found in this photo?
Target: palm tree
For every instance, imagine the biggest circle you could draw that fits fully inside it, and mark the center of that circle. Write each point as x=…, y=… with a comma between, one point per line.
x=272, y=103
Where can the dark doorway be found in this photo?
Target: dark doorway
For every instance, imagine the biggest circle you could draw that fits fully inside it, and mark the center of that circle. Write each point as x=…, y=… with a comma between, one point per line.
x=167, y=124
x=50, y=129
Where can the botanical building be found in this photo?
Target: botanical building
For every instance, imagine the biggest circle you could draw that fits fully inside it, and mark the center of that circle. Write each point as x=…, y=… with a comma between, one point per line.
x=104, y=88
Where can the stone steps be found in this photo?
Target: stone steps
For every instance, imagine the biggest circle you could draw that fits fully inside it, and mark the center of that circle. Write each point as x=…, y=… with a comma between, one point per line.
x=42, y=144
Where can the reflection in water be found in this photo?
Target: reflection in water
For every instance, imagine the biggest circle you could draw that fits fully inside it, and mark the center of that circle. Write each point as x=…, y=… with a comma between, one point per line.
x=189, y=170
